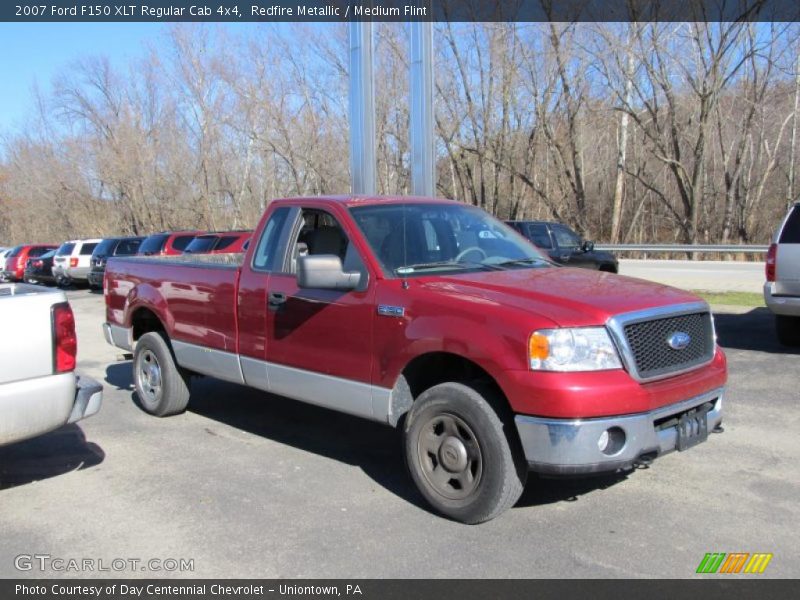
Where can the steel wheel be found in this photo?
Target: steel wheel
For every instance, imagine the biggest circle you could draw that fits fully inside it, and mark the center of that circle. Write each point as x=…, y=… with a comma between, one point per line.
x=450, y=456
x=148, y=377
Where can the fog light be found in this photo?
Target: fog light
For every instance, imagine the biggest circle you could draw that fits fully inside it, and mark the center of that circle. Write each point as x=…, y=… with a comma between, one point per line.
x=611, y=441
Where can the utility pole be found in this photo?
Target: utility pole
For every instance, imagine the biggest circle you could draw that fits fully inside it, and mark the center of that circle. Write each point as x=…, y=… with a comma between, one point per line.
x=423, y=179
x=362, y=109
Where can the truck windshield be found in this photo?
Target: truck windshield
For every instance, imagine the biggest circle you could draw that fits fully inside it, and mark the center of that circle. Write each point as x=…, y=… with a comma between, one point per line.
x=413, y=239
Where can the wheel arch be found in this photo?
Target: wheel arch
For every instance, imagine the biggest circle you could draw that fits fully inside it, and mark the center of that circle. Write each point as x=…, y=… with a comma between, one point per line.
x=432, y=368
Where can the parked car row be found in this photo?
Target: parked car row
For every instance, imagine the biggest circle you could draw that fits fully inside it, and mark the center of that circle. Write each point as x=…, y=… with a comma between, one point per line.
x=84, y=261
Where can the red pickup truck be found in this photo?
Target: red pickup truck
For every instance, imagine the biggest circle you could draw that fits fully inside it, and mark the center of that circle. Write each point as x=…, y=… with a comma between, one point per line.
x=432, y=316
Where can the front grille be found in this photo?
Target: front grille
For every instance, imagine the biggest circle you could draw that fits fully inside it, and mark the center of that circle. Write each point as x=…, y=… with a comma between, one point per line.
x=652, y=354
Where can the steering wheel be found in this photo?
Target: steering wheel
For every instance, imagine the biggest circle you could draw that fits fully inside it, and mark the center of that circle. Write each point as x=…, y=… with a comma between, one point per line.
x=466, y=251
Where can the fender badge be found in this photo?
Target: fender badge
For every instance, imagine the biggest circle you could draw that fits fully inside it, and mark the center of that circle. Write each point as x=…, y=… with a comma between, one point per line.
x=391, y=311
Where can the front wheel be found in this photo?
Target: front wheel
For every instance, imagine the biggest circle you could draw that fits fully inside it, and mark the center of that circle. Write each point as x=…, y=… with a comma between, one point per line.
x=162, y=386
x=459, y=455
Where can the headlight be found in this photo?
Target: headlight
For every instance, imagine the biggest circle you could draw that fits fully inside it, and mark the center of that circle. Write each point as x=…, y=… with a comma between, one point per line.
x=577, y=349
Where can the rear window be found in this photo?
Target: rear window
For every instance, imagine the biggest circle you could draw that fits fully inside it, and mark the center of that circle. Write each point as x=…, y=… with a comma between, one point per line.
x=65, y=249
x=87, y=249
x=791, y=231
x=15, y=252
x=182, y=241
x=128, y=247
x=37, y=251
x=201, y=244
x=153, y=244
x=104, y=248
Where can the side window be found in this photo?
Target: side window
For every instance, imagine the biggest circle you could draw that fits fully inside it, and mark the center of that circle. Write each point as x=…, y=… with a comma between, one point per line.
x=225, y=241
x=37, y=251
x=538, y=234
x=565, y=238
x=322, y=234
x=87, y=249
x=182, y=241
x=127, y=247
x=791, y=231
x=266, y=256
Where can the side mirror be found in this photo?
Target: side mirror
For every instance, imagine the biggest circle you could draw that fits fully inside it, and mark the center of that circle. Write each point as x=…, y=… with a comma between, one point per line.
x=587, y=246
x=325, y=272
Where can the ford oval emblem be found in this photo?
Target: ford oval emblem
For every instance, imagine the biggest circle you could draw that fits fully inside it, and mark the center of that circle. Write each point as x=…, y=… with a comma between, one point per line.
x=679, y=340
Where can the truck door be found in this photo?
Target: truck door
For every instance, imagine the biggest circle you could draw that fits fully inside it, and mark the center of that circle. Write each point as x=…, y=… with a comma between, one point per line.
x=319, y=342
x=267, y=256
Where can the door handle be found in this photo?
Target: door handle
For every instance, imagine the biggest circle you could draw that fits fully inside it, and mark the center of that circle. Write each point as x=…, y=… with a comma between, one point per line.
x=276, y=300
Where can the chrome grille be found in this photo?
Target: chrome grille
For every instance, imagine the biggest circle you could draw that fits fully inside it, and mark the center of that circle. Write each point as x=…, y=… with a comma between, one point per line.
x=644, y=338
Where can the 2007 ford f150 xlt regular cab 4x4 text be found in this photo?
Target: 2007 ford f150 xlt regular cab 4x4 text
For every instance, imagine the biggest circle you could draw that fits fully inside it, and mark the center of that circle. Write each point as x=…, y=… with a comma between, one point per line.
x=432, y=316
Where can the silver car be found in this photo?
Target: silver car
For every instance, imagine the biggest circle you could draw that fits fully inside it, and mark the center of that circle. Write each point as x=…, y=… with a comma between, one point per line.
x=782, y=288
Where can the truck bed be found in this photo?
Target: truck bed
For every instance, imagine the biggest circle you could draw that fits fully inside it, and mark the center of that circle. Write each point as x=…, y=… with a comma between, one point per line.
x=198, y=289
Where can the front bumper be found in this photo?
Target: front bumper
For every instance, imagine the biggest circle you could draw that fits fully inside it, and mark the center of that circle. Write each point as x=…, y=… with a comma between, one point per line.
x=569, y=447
x=781, y=305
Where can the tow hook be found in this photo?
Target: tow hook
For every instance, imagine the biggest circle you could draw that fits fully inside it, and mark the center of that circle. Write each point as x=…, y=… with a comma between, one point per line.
x=644, y=461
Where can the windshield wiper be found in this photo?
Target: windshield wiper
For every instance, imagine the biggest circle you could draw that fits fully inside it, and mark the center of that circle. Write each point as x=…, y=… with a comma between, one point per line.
x=522, y=261
x=406, y=269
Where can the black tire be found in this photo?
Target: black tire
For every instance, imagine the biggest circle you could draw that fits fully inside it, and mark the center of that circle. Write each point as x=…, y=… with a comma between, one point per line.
x=161, y=385
x=788, y=330
x=459, y=455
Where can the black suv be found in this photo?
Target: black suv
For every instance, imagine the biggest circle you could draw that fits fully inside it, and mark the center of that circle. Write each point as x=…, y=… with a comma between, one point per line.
x=123, y=246
x=564, y=246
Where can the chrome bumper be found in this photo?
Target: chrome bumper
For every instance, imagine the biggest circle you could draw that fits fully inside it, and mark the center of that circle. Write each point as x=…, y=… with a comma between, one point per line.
x=88, y=398
x=121, y=337
x=570, y=447
x=33, y=407
x=781, y=305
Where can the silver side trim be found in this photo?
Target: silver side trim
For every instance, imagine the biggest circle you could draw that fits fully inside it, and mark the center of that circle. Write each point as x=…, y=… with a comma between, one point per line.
x=616, y=326
x=116, y=335
x=569, y=446
x=344, y=395
x=208, y=361
x=255, y=373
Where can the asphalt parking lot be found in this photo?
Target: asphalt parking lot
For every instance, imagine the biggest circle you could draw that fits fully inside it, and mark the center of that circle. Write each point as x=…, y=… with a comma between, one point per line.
x=251, y=485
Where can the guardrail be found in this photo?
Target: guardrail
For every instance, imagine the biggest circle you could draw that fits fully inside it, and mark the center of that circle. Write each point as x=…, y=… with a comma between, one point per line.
x=686, y=248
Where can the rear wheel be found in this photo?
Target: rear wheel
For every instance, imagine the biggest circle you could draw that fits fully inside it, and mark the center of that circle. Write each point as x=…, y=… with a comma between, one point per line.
x=162, y=386
x=459, y=454
x=788, y=329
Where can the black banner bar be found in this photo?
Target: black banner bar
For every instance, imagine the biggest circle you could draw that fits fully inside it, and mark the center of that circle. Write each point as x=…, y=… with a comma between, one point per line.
x=400, y=10
x=724, y=588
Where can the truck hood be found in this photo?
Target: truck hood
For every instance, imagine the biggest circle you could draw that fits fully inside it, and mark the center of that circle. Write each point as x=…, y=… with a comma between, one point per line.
x=569, y=297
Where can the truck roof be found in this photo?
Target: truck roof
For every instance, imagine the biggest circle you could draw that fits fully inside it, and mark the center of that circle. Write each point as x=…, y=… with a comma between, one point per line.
x=367, y=200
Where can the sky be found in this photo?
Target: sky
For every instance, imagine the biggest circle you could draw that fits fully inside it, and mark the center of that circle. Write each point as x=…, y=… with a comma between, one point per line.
x=36, y=52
